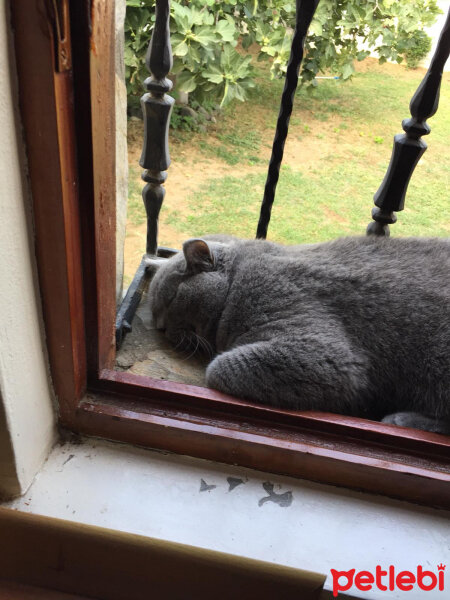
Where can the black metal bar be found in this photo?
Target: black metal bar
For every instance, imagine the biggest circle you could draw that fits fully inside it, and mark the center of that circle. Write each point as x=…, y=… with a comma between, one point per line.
x=305, y=10
x=408, y=146
x=156, y=108
x=155, y=159
x=131, y=301
x=133, y=297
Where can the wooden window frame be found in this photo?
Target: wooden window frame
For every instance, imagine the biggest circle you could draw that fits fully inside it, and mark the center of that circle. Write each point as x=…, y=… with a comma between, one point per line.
x=68, y=118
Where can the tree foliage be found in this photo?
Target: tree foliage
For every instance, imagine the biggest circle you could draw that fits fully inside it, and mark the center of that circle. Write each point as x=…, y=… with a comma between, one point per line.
x=205, y=34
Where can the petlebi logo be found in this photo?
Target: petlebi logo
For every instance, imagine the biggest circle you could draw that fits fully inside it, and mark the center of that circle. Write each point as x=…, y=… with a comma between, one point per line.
x=389, y=579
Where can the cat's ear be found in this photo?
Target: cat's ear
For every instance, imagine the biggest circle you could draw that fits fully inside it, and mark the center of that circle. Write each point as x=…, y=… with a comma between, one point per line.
x=198, y=256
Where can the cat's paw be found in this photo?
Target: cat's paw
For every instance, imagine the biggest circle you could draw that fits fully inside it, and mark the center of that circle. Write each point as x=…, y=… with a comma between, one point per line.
x=400, y=419
x=217, y=377
x=417, y=421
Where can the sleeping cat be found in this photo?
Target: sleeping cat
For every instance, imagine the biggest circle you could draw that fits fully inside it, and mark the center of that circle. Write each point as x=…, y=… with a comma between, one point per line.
x=358, y=326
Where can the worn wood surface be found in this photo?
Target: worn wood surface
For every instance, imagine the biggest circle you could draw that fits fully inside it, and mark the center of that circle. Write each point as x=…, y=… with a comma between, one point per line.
x=102, y=73
x=10, y=590
x=47, y=114
x=80, y=16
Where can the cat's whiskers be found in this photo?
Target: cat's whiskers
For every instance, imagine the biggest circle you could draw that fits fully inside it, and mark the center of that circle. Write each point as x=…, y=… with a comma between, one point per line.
x=206, y=346
x=183, y=337
x=197, y=343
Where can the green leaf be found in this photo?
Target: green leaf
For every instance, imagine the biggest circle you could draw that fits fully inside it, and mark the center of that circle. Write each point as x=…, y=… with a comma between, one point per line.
x=182, y=24
x=194, y=57
x=181, y=49
x=213, y=74
x=204, y=35
x=227, y=94
x=182, y=12
x=348, y=70
x=362, y=55
x=316, y=27
x=226, y=30
x=186, y=82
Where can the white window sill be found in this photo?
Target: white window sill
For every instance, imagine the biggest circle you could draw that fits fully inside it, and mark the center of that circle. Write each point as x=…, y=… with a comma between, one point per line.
x=158, y=495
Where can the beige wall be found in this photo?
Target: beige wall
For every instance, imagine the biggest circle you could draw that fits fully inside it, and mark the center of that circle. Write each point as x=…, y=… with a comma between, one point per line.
x=27, y=422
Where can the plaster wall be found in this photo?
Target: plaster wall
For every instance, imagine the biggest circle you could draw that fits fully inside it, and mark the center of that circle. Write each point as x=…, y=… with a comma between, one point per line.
x=27, y=419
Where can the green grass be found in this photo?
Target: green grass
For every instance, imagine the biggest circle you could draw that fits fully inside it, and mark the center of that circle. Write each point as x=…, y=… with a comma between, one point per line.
x=136, y=210
x=331, y=203
x=335, y=196
x=232, y=147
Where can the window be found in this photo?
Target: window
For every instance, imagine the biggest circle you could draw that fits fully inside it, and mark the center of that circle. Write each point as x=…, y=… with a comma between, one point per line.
x=68, y=117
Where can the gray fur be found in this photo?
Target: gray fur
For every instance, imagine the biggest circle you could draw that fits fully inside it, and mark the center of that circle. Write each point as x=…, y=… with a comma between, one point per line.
x=357, y=326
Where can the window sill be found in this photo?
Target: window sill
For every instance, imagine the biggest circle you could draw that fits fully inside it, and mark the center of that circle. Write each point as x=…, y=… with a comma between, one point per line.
x=158, y=495
x=322, y=447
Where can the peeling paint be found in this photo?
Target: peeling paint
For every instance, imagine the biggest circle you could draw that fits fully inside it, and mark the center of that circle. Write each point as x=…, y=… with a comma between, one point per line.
x=233, y=482
x=204, y=487
x=284, y=500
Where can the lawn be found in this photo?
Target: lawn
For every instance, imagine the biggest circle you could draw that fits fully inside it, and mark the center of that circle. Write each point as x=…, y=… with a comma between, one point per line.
x=337, y=152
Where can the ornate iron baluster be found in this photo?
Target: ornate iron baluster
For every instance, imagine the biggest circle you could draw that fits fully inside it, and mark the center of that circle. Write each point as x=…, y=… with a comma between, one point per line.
x=305, y=10
x=156, y=108
x=408, y=146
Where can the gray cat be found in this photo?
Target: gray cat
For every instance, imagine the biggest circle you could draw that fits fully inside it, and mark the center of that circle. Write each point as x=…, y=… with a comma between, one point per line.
x=357, y=326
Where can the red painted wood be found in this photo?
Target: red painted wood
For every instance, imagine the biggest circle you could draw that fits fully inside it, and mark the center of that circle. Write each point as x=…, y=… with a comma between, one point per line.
x=46, y=107
x=168, y=392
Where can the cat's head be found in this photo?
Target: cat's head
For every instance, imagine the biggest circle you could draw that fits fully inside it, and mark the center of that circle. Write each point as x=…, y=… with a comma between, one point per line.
x=188, y=292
